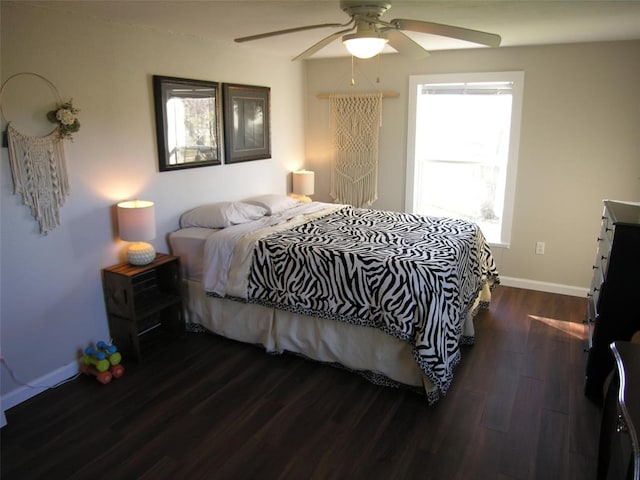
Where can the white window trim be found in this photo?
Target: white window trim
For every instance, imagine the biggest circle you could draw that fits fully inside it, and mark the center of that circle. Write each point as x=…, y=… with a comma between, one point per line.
x=517, y=77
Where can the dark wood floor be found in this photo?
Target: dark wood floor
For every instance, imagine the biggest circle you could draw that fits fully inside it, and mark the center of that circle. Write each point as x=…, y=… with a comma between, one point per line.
x=210, y=408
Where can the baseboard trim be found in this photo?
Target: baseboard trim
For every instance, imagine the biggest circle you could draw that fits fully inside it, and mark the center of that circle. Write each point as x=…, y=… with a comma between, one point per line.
x=39, y=385
x=544, y=286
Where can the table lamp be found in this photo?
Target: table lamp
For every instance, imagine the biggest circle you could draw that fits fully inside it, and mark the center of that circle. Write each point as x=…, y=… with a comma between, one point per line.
x=137, y=223
x=303, y=184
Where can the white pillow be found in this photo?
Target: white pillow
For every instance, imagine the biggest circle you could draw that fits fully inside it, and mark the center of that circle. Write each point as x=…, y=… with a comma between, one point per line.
x=221, y=215
x=273, y=203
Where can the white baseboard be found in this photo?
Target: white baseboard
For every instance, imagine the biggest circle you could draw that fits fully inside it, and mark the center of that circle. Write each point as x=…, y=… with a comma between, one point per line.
x=544, y=286
x=39, y=385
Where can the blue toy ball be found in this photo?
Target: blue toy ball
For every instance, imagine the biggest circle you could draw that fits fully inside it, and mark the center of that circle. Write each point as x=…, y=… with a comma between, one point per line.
x=90, y=351
x=110, y=349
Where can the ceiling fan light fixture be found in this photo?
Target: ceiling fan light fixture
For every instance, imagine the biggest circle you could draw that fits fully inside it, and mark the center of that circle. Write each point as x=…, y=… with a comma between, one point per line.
x=364, y=45
x=365, y=34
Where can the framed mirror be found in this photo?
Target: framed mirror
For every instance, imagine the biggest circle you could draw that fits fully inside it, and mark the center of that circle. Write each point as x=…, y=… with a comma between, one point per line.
x=188, y=122
x=246, y=123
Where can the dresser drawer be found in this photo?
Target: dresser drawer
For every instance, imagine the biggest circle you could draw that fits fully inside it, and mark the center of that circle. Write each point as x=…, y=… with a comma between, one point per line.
x=607, y=229
x=605, y=242
x=597, y=282
x=592, y=316
x=599, y=272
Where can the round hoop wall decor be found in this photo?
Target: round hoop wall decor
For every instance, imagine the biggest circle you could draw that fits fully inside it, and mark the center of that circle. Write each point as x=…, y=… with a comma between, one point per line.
x=38, y=166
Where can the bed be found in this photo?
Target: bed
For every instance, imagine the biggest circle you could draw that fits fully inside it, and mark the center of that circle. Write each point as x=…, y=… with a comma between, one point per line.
x=388, y=295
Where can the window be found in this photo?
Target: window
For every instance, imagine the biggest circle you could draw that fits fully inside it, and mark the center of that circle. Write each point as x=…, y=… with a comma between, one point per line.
x=462, y=148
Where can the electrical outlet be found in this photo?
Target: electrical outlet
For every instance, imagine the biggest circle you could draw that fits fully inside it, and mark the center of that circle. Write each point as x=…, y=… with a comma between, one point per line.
x=539, y=248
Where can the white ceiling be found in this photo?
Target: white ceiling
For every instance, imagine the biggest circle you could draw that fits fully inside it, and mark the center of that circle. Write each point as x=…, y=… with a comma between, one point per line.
x=519, y=23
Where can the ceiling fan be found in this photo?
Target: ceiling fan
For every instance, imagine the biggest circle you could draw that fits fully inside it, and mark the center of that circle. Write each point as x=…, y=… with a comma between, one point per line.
x=366, y=34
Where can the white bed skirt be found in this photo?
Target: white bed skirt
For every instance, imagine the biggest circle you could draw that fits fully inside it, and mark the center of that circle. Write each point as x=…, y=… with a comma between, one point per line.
x=362, y=349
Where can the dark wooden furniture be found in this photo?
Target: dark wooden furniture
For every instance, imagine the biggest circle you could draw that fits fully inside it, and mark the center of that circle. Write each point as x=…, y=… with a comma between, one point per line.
x=613, y=311
x=619, y=451
x=140, y=298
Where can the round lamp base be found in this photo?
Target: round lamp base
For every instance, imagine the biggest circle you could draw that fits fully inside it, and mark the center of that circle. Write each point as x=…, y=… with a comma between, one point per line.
x=141, y=253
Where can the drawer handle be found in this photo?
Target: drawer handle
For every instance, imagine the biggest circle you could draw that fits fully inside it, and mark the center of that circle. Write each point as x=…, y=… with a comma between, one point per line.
x=595, y=267
x=604, y=257
x=607, y=229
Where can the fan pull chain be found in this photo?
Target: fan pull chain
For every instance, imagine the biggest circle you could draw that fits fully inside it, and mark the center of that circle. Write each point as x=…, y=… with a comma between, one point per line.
x=353, y=80
x=378, y=77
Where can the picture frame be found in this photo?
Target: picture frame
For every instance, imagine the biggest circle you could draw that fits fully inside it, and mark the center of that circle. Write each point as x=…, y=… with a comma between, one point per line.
x=188, y=122
x=247, y=124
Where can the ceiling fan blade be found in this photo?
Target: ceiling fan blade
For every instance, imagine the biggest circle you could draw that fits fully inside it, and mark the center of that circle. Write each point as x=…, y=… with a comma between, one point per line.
x=405, y=45
x=321, y=44
x=288, y=30
x=475, y=36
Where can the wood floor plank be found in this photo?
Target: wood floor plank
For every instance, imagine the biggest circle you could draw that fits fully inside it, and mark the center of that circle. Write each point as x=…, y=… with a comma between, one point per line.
x=207, y=407
x=454, y=444
x=483, y=459
x=556, y=388
x=552, y=450
x=519, y=452
x=501, y=392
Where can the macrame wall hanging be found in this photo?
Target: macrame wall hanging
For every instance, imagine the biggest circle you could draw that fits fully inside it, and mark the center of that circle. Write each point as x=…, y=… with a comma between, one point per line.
x=38, y=164
x=355, y=124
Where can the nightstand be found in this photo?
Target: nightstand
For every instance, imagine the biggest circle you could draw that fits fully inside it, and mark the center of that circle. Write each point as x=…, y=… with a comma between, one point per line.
x=141, y=298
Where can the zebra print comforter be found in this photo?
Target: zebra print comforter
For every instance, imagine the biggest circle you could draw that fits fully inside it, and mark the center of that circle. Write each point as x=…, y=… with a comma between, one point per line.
x=411, y=276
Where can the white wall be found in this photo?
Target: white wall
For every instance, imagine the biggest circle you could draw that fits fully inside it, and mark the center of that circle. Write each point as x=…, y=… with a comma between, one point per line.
x=579, y=144
x=51, y=296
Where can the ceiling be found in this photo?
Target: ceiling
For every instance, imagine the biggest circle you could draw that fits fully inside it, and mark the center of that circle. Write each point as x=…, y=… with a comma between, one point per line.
x=519, y=23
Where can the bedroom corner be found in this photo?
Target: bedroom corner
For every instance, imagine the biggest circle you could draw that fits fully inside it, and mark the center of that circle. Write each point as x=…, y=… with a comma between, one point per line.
x=52, y=300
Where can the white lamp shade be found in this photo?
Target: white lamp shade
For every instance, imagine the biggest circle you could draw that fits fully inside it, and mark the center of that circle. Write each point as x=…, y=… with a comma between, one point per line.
x=362, y=46
x=136, y=221
x=303, y=182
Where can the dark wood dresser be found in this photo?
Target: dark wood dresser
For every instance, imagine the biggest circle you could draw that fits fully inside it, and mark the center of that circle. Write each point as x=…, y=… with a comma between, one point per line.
x=613, y=309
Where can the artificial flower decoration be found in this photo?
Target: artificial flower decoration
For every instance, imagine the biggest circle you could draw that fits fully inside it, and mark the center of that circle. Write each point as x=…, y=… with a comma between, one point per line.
x=66, y=116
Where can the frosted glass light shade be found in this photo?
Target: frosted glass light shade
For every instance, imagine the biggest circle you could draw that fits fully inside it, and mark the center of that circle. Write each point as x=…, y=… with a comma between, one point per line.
x=363, y=46
x=303, y=182
x=137, y=223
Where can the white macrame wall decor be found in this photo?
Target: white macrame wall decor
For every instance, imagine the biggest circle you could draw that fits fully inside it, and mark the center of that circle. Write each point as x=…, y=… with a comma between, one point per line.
x=39, y=174
x=38, y=167
x=355, y=125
